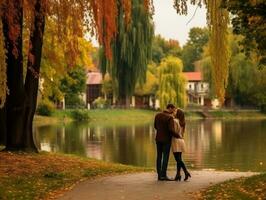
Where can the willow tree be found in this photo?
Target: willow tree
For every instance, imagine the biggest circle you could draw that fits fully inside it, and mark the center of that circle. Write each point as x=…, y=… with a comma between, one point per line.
x=219, y=46
x=172, y=82
x=131, y=49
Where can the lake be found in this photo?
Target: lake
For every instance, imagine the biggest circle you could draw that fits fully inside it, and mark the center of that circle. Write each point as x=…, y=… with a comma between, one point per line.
x=211, y=144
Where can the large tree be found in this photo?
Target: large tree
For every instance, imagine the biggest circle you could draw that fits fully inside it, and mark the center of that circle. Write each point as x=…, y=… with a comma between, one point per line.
x=21, y=100
x=249, y=20
x=172, y=82
x=73, y=85
x=131, y=50
x=193, y=49
x=162, y=48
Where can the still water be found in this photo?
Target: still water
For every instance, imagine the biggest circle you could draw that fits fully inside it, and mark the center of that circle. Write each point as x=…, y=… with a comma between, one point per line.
x=211, y=144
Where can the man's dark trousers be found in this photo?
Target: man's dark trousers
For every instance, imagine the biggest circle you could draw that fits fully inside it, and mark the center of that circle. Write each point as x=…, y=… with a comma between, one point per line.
x=163, y=150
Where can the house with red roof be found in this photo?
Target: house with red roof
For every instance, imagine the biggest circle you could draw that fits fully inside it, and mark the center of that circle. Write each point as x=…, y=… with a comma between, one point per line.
x=197, y=89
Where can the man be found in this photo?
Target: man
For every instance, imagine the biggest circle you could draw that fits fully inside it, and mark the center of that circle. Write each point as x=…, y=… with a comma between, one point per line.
x=165, y=129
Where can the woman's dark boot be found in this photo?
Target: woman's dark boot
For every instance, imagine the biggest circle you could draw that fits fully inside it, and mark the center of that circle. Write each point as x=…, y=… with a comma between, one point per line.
x=187, y=174
x=178, y=177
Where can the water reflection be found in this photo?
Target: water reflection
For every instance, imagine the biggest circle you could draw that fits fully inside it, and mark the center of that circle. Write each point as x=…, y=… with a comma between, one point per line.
x=217, y=144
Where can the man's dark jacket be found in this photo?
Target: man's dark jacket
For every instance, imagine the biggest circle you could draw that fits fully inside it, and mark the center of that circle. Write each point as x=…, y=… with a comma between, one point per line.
x=165, y=127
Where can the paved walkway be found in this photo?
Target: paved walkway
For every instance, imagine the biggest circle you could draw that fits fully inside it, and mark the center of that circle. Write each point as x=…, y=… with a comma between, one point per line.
x=144, y=186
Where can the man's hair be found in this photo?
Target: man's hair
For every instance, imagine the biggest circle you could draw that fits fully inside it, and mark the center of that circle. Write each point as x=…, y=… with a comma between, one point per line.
x=170, y=105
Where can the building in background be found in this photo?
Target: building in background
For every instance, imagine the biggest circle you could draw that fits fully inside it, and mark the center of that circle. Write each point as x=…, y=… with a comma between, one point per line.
x=94, y=86
x=197, y=89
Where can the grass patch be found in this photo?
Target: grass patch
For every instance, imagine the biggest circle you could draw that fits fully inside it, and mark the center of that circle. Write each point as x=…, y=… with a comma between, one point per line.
x=193, y=115
x=250, y=188
x=45, y=175
x=45, y=120
x=112, y=116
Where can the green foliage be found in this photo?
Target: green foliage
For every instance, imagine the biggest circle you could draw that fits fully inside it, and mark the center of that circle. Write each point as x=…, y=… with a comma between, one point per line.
x=151, y=85
x=45, y=108
x=246, y=83
x=131, y=49
x=109, y=86
x=206, y=70
x=100, y=103
x=249, y=20
x=192, y=50
x=73, y=85
x=162, y=48
x=171, y=83
x=80, y=115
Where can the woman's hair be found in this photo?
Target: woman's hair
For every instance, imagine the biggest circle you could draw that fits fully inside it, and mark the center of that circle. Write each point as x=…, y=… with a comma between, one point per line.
x=180, y=115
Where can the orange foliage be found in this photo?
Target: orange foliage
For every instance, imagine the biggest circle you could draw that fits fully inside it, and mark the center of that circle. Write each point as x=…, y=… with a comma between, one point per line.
x=148, y=4
x=105, y=13
x=73, y=16
x=127, y=9
x=14, y=29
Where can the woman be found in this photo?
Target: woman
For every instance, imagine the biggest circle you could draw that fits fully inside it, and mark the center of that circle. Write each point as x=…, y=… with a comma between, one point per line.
x=178, y=145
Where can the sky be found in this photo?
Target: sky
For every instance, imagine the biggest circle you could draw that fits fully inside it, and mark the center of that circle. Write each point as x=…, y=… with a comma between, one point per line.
x=170, y=25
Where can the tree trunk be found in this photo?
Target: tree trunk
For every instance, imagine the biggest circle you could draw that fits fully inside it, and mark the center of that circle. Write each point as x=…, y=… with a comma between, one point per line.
x=33, y=70
x=21, y=101
x=124, y=101
x=3, y=126
x=15, y=99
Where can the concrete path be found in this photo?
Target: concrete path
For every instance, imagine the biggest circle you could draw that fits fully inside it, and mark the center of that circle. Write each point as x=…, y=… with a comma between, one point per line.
x=144, y=186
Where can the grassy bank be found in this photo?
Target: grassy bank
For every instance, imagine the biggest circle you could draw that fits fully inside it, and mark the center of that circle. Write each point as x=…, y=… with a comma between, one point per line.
x=46, y=175
x=239, y=114
x=244, y=188
x=123, y=116
x=48, y=120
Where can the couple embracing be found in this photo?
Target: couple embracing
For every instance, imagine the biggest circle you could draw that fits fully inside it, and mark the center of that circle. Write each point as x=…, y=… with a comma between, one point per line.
x=170, y=126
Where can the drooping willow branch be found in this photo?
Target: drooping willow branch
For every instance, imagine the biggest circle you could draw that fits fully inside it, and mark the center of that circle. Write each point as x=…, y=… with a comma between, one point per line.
x=218, y=20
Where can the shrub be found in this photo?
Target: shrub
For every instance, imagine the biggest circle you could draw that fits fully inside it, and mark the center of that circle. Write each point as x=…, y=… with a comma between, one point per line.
x=45, y=108
x=100, y=103
x=80, y=115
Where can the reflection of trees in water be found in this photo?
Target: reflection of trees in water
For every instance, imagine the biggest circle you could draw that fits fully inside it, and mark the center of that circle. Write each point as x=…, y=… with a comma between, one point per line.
x=244, y=144
x=226, y=144
x=66, y=139
x=129, y=145
x=210, y=143
x=48, y=138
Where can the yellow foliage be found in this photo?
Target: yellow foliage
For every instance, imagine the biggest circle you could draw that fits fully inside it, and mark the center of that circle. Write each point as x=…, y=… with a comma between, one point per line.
x=150, y=85
x=219, y=46
x=85, y=54
x=172, y=82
